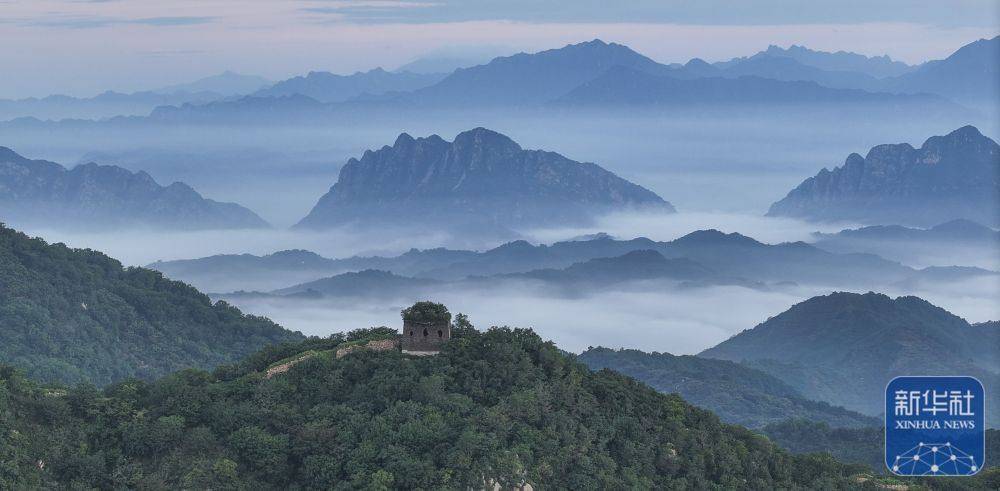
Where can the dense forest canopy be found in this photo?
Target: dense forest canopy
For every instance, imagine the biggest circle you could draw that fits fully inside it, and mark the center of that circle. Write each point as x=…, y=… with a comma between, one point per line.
x=76, y=315
x=497, y=407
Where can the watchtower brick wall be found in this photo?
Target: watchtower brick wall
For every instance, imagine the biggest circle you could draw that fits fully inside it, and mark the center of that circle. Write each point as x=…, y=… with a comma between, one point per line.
x=424, y=337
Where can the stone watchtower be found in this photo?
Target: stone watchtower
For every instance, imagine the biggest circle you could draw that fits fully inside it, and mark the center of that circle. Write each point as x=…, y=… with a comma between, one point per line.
x=426, y=327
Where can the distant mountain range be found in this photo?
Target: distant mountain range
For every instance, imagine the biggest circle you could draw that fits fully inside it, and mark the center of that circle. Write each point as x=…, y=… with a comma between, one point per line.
x=701, y=258
x=963, y=242
x=110, y=104
x=579, y=278
x=91, y=196
x=627, y=87
x=328, y=87
x=949, y=177
x=596, y=72
x=481, y=178
x=369, y=283
x=448, y=62
x=970, y=75
x=954, y=230
x=737, y=393
x=76, y=315
x=104, y=105
x=840, y=61
x=531, y=79
x=584, y=74
x=844, y=347
x=226, y=84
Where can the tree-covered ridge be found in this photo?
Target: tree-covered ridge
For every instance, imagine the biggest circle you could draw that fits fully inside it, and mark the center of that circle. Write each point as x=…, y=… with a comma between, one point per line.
x=867, y=446
x=735, y=392
x=497, y=407
x=72, y=315
x=844, y=347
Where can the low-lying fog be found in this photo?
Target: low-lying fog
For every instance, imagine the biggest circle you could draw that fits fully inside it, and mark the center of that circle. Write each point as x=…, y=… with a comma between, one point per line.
x=721, y=171
x=643, y=316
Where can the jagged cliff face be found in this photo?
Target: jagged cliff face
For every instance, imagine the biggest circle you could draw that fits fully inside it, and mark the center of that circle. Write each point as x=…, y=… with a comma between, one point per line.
x=91, y=195
x=482, y=177
x=949, y=177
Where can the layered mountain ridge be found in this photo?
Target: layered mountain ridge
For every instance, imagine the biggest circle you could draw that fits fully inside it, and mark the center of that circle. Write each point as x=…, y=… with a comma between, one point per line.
x=43, y=193
x=956, y=176
x=482, y=177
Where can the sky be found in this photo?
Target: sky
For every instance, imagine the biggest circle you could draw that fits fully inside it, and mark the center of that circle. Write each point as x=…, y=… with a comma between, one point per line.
x=83, y=47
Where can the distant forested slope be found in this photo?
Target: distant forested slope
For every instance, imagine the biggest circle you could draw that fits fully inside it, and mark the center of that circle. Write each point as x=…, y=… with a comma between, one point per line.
x=737, y=393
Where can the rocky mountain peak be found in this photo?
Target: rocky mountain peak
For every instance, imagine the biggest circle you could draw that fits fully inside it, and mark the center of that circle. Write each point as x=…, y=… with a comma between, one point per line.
x=483, y=140
x=481, y=178
x=949, y=177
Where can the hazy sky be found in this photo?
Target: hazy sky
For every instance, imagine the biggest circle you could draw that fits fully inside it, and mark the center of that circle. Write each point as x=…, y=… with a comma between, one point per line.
x=82, y=47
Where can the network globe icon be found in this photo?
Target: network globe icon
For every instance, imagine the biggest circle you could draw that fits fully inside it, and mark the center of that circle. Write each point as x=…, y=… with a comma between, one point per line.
x=935, y=459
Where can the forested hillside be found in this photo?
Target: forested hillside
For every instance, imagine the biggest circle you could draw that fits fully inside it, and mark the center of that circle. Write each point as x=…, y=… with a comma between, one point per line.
x=500, y=407
x=74, y=315
x=737, y=393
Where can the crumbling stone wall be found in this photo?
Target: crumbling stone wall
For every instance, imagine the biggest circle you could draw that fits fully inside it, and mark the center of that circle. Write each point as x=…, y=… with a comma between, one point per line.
x=377, y=345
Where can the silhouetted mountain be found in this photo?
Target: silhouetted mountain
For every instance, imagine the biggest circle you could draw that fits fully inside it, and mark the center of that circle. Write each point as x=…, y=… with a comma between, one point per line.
x=91, y=195
x=737, y=393
x=579, y=278
x=936, y=276
x=780, y=68
x=328, y=87
x=248, y=109
x=104, y=105
x=630, y=87
x=844, y=348
x=447, y=63
x=226, y=84
x=728, y=257
x=369, y=283
x=481, y=178
x=529, y=79
x=231, y=272
x=959, y=230
x=958, y=241
x=635, y=265
x=840, y=61
x=949, y=177
x=76, y=315
x=789, y=69
x=970, y=75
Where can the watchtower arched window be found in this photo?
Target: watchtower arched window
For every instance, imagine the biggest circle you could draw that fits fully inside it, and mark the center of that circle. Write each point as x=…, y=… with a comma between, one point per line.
x=440, y=333
x=411, y=332
x=425, y=332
